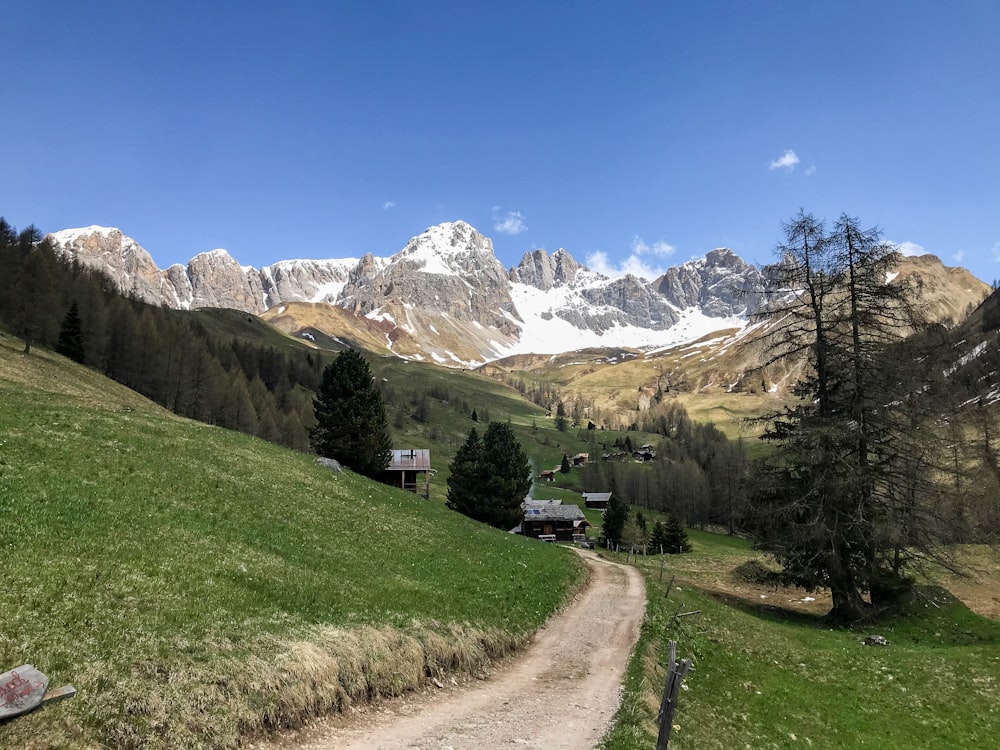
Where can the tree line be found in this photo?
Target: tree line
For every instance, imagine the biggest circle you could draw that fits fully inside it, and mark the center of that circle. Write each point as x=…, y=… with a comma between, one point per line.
x=699, y=474
x=169, y=356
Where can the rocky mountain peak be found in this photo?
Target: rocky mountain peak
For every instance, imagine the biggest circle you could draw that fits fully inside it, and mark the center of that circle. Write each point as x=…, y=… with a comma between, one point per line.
x=544, y=271
x=123, y=260
x=452, y=247
x=720, y=284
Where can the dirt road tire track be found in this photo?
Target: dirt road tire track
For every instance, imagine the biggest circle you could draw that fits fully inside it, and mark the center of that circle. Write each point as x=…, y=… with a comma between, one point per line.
x=560, y=695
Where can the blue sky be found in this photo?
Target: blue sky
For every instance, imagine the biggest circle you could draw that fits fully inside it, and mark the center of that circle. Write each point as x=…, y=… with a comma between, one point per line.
x=636, y=135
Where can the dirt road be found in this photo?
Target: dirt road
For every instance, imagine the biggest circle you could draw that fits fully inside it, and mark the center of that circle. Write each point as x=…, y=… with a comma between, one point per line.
x=561, y=694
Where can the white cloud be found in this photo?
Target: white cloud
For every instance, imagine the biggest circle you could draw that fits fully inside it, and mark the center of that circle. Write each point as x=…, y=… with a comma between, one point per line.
x=959, y=256
x=811, y=171
x=598, y=261
x=787, y=160
x=910, y=248
x=388, y=204
x=661, y=248
x=510, y=223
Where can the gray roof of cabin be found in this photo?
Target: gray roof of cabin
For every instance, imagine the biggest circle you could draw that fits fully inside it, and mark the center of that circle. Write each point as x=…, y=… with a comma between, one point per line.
x=552, y=512
x=597, y=496
x=410, y=459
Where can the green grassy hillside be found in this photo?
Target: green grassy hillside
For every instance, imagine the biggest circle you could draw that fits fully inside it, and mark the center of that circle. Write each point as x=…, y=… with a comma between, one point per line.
x=769, y=673
x=197, y=585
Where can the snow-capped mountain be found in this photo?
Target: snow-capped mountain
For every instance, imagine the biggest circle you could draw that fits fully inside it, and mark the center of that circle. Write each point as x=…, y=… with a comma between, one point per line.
x=446, y=296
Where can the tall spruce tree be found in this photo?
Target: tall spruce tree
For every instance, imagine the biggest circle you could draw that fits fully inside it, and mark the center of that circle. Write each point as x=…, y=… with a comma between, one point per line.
x=467, y=488
x=351, y=425
x=615, y=516
x=490, y=477
x=674, y=536
x=561, y=422
x=70, y=342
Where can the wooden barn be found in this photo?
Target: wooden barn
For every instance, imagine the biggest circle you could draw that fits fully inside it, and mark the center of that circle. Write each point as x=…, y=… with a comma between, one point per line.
x=596, y=500
x=550, y=518
x=406, y=467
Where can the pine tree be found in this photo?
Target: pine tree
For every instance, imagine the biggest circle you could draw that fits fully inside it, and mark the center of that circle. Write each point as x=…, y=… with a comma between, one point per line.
x=564, y=467
x=675, y=537
x=658, y=539
x=509, y=474
x=467, y=490
x=490, y=477
x=615, y=516
x=561, y=422
x=71, y=335
x=351, y=425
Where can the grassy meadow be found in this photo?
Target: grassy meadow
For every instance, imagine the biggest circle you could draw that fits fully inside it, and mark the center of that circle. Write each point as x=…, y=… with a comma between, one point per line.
x=198, y=586
x=768, y=673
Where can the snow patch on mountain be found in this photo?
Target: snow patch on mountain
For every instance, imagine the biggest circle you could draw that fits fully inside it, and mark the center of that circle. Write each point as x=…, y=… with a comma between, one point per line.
x=543, y=330
x=67, y=236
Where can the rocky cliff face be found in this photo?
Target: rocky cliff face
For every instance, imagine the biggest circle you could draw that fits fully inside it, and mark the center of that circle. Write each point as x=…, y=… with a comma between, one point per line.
x=123, y=260
x=449, y=271
x=212, y=279
x=544, y=271
x=305, y=280
x=720, y=284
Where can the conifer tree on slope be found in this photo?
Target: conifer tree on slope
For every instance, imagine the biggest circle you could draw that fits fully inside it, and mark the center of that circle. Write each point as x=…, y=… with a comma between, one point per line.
x=490, y=478
x=615, y=516
x=351, y=425
x=71, y=335
x=467, y=482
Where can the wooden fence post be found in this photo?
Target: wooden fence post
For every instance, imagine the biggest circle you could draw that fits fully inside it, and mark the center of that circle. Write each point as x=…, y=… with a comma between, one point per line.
x=671, y=689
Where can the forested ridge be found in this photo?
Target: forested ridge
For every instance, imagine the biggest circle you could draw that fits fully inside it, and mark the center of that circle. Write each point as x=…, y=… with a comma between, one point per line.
x=172, y=357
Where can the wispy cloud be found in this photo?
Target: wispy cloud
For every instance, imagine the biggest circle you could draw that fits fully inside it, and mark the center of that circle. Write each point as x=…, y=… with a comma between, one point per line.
x=511, y=222
x=634, y=264
x=996, y=252
x=786, y=161
x=958, y=256
x=661, y=248
x=910, y=248
x=388, y=204
x=811, y=171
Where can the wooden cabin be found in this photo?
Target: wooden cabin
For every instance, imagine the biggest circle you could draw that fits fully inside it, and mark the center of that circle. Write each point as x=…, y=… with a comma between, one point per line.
x=548, y=518
x=596, y=500
x=405, y=469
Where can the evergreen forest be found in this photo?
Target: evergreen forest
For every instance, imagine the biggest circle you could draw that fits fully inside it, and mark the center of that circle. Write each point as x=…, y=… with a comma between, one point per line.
x=184, y=361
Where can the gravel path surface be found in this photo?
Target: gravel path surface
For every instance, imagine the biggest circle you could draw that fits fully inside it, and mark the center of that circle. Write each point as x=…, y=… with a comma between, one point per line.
x=562, y=693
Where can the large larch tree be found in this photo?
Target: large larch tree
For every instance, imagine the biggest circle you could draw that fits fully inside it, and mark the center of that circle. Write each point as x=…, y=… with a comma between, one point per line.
x=827, y=499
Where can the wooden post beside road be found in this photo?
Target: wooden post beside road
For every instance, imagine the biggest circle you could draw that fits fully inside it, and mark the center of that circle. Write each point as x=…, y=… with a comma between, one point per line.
x=675, y=676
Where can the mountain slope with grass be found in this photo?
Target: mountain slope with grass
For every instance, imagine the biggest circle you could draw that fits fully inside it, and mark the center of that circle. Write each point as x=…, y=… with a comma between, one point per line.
x=199, y=586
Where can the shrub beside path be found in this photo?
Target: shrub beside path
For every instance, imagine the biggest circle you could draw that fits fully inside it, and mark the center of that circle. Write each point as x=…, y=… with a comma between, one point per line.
x=561, y=693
